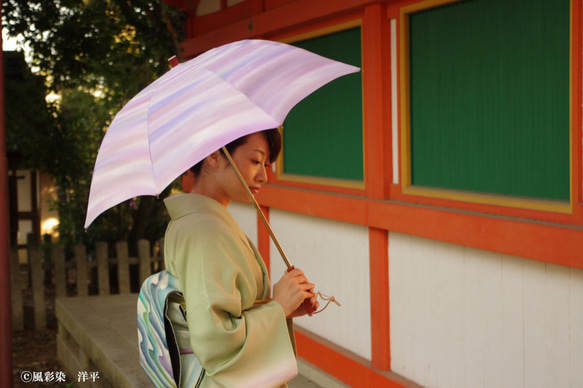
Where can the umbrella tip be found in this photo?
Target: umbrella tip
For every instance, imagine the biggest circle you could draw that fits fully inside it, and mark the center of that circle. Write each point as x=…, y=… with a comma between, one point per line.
x=174, y=61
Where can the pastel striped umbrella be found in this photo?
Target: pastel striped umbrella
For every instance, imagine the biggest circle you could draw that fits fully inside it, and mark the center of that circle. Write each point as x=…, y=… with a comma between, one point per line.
x=196, y=108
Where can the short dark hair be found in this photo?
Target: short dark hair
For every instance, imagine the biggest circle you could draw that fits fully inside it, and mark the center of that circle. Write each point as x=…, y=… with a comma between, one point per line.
x=272, y=136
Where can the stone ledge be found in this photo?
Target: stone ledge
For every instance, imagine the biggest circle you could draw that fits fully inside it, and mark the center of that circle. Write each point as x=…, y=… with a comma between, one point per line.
x=99, y=333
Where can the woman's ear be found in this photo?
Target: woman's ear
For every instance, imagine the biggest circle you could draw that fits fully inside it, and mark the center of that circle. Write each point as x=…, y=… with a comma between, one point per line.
x=214, y=159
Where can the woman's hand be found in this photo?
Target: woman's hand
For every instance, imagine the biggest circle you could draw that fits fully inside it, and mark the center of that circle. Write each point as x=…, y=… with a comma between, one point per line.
x=308, y=306
x=295, y=294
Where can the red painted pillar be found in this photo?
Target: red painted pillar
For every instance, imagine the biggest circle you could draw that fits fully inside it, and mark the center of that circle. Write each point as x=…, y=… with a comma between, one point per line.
x=376, y=60
x=5, y=295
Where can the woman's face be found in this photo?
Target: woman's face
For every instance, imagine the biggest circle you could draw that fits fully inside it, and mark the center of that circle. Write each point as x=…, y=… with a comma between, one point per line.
x=252, y=160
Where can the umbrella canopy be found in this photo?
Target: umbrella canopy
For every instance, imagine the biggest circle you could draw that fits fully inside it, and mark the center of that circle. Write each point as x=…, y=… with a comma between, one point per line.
x=196, y=108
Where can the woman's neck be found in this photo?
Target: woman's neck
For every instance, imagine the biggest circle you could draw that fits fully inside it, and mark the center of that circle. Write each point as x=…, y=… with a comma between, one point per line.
x=203, y=186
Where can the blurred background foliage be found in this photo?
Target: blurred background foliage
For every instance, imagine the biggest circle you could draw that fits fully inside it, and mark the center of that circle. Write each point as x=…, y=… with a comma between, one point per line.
x=91, y=56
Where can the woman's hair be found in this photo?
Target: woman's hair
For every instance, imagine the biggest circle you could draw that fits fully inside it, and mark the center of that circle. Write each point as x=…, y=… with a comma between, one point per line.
x=272, y=136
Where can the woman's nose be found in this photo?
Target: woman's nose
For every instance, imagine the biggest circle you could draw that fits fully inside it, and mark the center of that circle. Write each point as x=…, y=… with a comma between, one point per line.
x=262, y=175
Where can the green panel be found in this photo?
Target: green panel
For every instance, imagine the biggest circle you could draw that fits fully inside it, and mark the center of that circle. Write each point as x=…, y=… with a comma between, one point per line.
x=490, y=97
x=323, y=133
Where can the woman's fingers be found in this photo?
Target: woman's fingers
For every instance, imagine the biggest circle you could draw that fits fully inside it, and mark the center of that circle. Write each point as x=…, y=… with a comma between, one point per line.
x=307, y=286
x=296, y=294
x=294, y=272
x=298, y=276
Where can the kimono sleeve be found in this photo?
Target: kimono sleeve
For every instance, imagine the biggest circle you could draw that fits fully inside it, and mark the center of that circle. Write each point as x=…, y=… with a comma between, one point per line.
x=238, y=345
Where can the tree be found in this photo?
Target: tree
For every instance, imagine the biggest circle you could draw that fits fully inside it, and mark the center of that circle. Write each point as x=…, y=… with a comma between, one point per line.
x=96, y=54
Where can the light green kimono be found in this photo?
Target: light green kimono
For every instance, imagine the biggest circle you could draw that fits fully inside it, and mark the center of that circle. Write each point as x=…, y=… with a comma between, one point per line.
x=222, y=274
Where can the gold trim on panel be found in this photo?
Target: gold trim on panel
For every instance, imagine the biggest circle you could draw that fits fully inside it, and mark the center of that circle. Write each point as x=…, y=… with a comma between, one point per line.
x=346, y=183
x=335, y=182
x=323, y=31
x=490, y=199
x=466, y=196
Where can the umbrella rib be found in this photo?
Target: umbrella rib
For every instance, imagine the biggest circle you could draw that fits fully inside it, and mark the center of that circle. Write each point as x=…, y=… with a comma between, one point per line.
x=259, y=211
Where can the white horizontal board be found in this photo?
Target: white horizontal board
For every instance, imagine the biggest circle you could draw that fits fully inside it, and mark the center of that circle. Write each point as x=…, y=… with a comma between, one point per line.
x=335, y=257
x=463, y=317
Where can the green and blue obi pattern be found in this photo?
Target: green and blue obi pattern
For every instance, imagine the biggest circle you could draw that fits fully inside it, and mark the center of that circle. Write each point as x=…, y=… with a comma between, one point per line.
x=164, y=342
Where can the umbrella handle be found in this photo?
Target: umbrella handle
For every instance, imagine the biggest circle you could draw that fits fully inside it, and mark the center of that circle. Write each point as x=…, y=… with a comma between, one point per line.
x=273, y=238
x=258, y=208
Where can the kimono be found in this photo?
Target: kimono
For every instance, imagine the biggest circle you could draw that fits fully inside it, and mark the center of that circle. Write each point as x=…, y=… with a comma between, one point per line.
x=222, y=275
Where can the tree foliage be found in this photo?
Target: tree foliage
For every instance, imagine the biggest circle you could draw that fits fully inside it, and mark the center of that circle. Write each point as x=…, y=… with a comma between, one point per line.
x=96, y=54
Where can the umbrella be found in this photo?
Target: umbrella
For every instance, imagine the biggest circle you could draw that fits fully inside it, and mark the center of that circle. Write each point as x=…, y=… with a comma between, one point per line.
x=198, y=107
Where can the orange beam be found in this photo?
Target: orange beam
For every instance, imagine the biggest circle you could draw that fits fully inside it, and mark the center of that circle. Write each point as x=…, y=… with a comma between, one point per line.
x=351, y=369
x=529, y=239
x=542, y=241
x=272, y=21
x=316, y=203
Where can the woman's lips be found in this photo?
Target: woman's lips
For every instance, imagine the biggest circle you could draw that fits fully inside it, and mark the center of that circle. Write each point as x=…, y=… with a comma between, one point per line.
x=254, y=190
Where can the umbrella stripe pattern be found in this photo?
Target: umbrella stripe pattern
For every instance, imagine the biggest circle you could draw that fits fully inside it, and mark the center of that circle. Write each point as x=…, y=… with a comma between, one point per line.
x=196, y=108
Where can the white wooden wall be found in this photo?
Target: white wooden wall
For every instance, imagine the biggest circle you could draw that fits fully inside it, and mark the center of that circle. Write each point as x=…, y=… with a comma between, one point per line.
x=463, y=317
x=335, y=256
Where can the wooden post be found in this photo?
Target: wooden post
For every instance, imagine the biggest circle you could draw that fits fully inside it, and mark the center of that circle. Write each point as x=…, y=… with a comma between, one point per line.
x=38, y=289
x=17, y=315
x=102, y=268
x=48, y=263
x=123, y=267
x=81, y=261
x=60, y=271
x=145, y=259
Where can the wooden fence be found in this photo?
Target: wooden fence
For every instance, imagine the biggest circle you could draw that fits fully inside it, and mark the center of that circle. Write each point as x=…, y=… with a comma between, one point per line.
x=47, y=267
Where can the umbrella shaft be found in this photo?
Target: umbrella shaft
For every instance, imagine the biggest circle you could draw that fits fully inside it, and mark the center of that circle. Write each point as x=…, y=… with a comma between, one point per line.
x=258, y=208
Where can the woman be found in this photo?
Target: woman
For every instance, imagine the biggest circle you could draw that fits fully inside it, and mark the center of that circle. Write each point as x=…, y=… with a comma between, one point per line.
x=239, y=342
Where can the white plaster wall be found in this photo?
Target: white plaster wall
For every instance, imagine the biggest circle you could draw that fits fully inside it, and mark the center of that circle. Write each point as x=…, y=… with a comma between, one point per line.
x=246, y=217
x=335, y=256
x=462, y=317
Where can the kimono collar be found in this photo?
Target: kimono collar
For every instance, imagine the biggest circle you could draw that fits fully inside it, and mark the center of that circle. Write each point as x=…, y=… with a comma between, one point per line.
x=181, y=205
